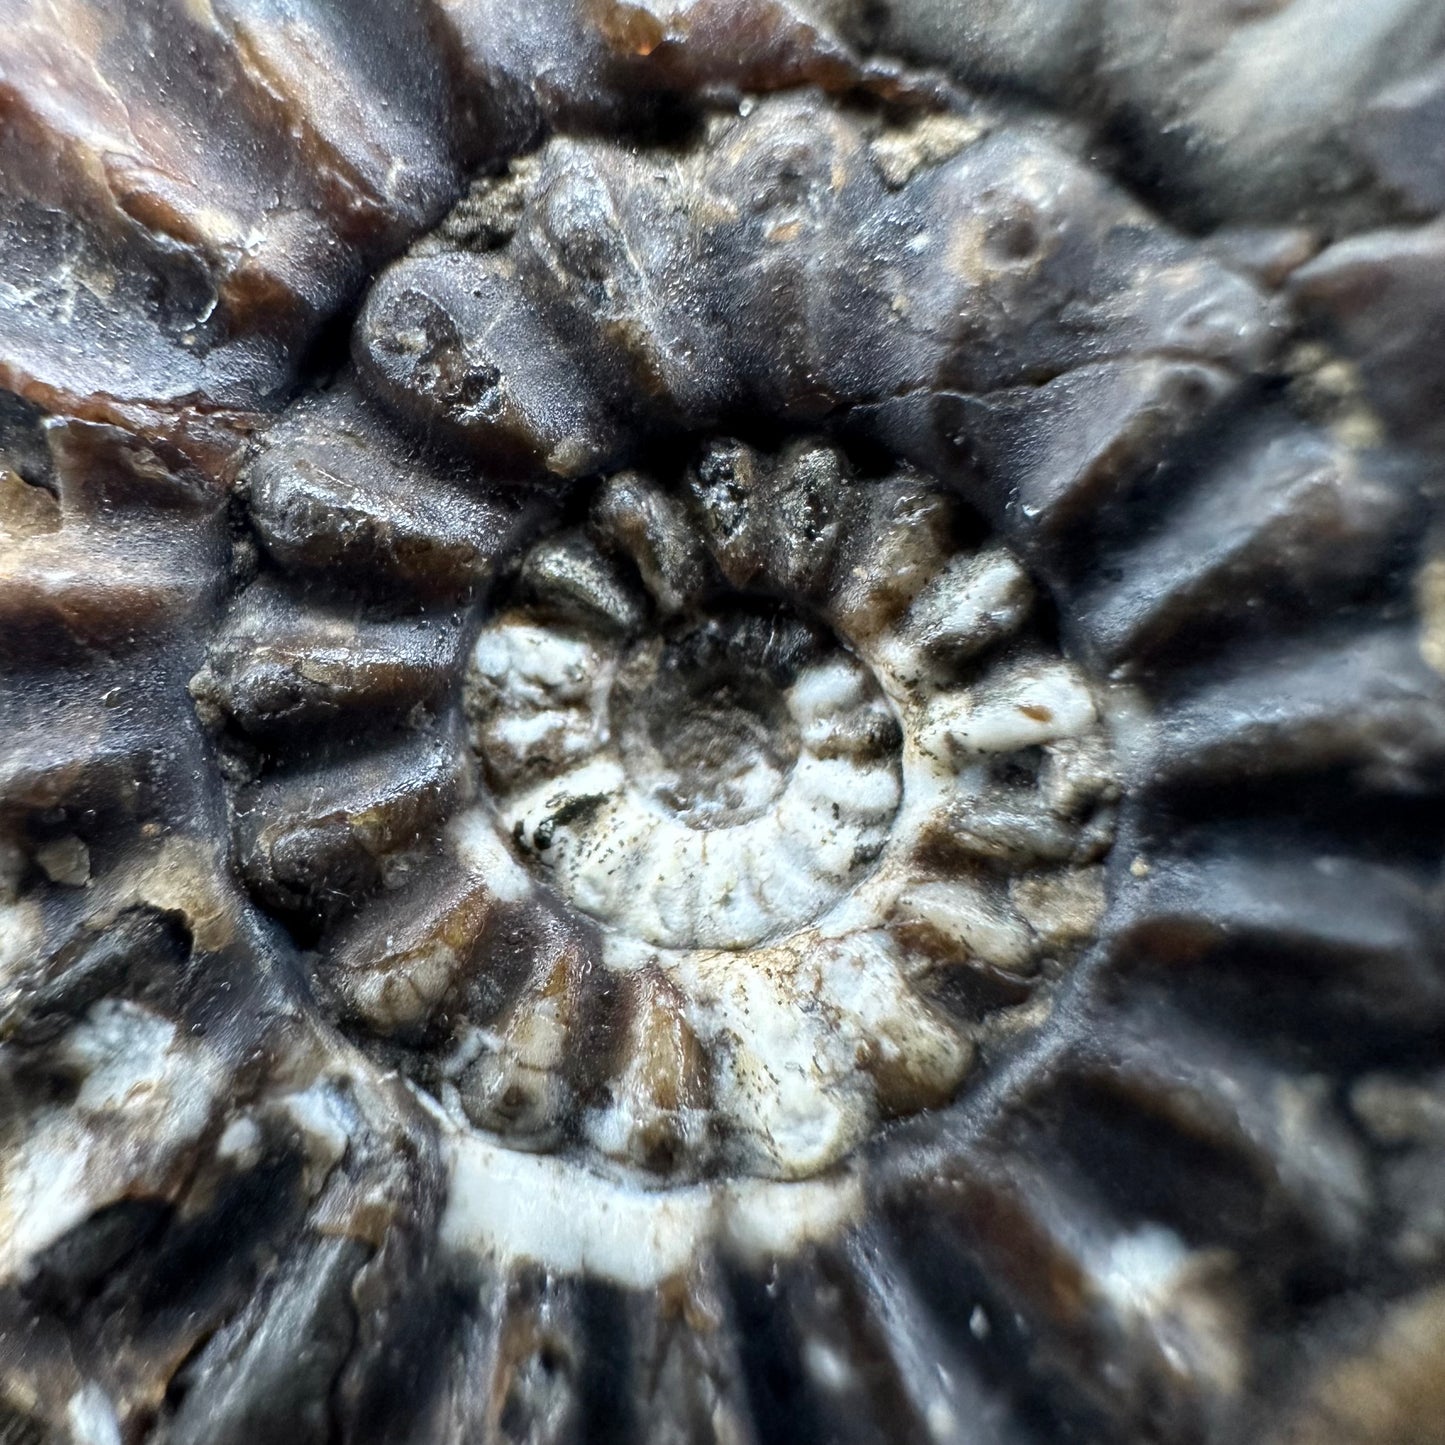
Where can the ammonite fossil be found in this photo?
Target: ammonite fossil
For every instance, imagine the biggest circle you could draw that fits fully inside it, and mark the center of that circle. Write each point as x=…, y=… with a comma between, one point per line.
x=724, y=721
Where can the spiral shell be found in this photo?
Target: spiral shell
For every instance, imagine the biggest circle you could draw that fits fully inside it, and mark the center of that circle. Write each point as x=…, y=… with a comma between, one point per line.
x=800, y=800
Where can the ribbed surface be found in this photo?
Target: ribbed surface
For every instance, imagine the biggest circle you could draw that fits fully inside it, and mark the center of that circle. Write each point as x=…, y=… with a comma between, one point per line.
x=326, y=1117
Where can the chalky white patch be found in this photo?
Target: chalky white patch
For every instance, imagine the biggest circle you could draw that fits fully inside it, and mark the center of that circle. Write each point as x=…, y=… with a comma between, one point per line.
x=1143, y=1269
x=485, y=854
x=91, y=1417
x=20, y=933
x=515, y=1207
x=1181, y=1299
x=240, y=1142
x=979, y=923
x=618, y=853
x=1035, y=706
x=145, y=1095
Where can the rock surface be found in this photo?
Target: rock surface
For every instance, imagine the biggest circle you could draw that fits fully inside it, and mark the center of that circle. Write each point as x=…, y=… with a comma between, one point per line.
x=722, y=721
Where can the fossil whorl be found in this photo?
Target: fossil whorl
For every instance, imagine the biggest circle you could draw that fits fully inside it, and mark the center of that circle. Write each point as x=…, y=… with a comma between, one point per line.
x=763, y=789
x=1232, y=109
x=801, y=804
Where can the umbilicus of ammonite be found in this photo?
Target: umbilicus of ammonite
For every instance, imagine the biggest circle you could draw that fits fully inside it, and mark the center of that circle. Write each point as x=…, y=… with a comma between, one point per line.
x=722, y=721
